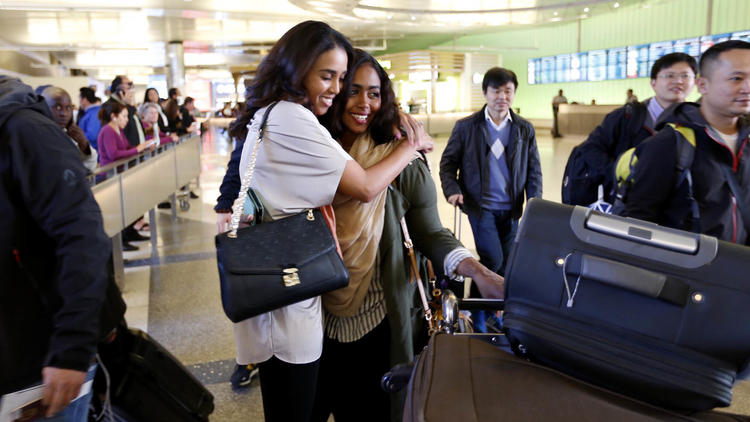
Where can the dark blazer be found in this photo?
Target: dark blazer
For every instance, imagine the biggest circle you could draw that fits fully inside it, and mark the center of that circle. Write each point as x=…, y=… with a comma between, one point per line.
x=464, y=169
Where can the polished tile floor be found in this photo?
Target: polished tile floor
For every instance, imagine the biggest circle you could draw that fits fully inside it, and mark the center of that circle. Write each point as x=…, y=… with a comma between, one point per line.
x=177, y=299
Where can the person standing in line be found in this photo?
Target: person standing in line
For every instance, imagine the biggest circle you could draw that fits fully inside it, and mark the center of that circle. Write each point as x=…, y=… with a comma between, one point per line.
x=124, y=93
x=61, y=107
x=152, y=96
x=489, y=168
x=88, y=112
x=556, y=101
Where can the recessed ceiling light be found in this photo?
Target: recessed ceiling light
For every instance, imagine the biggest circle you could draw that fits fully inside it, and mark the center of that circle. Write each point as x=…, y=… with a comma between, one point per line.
x=389, y=17
x=586, y=9
x=413, y=17
x=555, y=13
x=616, y=5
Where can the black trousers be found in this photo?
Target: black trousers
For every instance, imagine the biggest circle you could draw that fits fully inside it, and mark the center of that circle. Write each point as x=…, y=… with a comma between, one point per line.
x=288, y=389
x=349, y=380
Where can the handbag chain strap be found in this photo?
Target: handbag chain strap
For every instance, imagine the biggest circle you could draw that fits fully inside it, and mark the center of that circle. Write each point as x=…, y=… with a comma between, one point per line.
x=239, y=203
x=415, y=276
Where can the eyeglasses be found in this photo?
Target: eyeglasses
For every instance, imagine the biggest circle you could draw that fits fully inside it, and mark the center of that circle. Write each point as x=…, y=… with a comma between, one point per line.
x=676, y=76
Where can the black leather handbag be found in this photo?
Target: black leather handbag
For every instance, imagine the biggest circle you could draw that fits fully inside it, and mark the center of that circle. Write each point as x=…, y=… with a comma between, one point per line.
x=273, y=264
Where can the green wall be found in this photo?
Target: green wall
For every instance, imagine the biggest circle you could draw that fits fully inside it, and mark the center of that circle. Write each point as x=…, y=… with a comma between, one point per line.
x=645, y=22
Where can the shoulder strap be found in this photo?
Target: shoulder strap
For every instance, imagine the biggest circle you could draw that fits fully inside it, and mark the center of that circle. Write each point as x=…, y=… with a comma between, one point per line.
x=239, y=203
x=415, y=275
x=686, y=145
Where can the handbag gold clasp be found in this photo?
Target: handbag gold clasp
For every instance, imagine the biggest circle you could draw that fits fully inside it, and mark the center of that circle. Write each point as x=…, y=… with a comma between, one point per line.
x=310, y=216
x=291, y=277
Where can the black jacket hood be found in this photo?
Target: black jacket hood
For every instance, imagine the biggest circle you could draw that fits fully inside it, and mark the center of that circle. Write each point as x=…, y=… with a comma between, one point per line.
x=688, y=114
x=15, y=95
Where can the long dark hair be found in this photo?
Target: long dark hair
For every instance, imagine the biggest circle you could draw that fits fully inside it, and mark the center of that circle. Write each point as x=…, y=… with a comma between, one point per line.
x=172, y=110
x=281, y=74
x=382, y=124
x=145, y=96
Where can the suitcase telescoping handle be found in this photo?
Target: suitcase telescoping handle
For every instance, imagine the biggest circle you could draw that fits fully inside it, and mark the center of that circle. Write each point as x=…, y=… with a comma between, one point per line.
x=639, y=238
x=624, y=276
x=457, y=222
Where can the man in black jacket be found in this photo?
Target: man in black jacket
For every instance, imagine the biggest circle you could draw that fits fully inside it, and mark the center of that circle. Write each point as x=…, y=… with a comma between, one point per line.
x=672, y=79
x=490, y=162
x=721, y=137
x=53, y=253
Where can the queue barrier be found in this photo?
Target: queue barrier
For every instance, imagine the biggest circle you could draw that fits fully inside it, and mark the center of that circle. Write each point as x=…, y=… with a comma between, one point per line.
x=128, y=188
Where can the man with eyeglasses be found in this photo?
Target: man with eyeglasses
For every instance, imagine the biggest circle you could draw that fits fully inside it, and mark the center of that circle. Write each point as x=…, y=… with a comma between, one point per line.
x=672, y=79
x=123, y=92
x=719, y=125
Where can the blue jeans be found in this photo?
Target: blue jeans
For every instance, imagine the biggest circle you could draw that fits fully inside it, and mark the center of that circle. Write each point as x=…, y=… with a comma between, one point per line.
x=77, y=410
x=493, y=236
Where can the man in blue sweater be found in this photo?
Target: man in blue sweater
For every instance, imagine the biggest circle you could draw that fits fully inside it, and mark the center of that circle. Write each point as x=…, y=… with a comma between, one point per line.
x=490, y=167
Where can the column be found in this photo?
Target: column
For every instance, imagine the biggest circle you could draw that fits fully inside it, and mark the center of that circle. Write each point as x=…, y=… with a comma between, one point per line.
x=176, y=65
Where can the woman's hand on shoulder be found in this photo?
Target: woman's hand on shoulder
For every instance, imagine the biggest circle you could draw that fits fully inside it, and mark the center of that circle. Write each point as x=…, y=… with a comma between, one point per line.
x=415, y=133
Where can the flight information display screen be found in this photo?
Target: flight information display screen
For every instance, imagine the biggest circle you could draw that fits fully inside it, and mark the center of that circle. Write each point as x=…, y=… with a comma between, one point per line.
x=633, y=61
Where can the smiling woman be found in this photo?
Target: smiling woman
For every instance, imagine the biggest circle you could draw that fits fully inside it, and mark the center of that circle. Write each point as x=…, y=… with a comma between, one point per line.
x=299, y=166
x=370, y=320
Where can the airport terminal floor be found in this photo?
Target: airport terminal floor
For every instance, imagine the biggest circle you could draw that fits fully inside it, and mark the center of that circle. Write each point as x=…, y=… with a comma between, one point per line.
x=177, y=300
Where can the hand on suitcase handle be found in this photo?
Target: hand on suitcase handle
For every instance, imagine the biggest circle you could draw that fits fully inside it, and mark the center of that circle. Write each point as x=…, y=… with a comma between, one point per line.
x=490, y=284
x=456, y=198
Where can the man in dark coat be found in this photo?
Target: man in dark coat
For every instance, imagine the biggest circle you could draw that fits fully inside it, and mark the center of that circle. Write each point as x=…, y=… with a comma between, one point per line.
x=122, y=91
x=53, y=253
x=491, y=166
x=672, y=79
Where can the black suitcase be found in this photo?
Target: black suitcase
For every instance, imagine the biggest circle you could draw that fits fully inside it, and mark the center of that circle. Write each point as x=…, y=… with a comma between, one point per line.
x=147, y=383
x=461, y=378
x=654, y=313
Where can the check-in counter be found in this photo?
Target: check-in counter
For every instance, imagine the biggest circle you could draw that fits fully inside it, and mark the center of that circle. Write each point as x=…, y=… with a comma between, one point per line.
x=581, y=119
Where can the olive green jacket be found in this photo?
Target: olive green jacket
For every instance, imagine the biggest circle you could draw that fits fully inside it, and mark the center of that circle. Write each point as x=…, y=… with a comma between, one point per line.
x=413, y=195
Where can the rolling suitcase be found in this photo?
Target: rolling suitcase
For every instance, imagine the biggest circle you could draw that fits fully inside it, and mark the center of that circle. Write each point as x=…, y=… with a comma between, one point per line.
x=654, y=313
x=461, y=378
x=149, y=384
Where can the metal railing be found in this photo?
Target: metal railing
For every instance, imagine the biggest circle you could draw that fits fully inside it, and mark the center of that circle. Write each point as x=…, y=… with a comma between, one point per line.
x=128, y=188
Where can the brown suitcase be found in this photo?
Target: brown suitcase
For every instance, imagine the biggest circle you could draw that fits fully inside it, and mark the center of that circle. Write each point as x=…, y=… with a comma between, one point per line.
x=460, y=378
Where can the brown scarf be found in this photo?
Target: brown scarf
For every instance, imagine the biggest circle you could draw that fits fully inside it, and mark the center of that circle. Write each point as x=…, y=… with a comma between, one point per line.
x=359, y=226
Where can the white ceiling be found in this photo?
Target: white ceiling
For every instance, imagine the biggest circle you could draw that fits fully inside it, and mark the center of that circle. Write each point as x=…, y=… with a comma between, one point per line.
x=95, y=34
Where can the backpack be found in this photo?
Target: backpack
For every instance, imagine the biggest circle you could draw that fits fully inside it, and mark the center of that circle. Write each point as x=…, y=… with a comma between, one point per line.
x=626, y=162
x=581, y=179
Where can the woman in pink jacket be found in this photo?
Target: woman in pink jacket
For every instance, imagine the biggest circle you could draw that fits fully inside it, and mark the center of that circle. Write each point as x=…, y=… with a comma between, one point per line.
x=112, y=143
